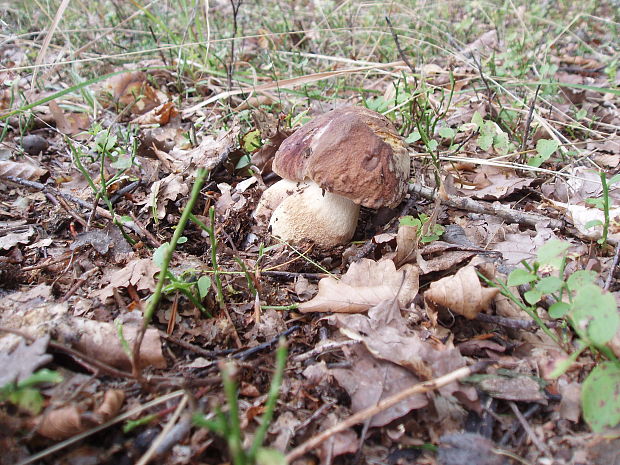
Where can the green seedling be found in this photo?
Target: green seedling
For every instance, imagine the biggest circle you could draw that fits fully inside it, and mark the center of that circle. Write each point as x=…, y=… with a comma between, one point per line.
x=491, y=136
x=25, y=395
x=194, y=289
x=588, y=309
x=602, y=203
x=108, y=152
x=227, y=423
x=210, y=230
x=426, y=232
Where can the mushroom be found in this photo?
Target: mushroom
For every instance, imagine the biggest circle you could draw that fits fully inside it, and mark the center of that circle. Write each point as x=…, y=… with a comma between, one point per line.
x=340, y=160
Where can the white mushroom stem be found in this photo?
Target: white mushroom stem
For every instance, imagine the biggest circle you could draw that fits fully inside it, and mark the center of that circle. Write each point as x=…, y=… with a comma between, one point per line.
x=313, y=214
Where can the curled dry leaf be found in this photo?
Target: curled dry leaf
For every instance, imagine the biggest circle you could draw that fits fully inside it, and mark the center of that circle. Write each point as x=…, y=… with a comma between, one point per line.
x=66, y=422
x=112, y=403
x=61, y=423
x=365, y=284
x=100, y=341
x=461, y=293
x=21, y=170
x=161, y=115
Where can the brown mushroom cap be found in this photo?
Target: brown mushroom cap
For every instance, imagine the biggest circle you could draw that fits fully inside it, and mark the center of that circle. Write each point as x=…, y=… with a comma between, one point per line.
x=351, y=151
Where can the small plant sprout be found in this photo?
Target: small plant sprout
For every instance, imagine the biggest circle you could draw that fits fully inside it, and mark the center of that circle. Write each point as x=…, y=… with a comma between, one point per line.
x=227, y=423
x=425, y=231
x=603, y=204
x=588, y=309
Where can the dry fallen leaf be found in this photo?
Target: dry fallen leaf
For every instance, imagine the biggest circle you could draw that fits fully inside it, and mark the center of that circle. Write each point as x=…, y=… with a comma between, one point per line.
x=159, y=115
x=137, y=272
x=385, y=334
x=21, y=170
x=100, y=340
x=365, y=284
x=24, y=360
x=66, y=422
x=461, y=293
x=370, y=380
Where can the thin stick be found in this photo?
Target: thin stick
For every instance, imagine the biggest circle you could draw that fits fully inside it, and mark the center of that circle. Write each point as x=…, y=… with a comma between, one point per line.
x=78, y=437
x=526, y=426
x=385, y=404
x=612, y=268
x=148, y=455
x=464, y=203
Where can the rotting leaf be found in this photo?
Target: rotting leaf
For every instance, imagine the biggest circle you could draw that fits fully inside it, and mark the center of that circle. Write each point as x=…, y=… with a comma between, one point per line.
x=24, y=360
x=386, y=336
x=137, y=272
x=461, y=293
x=21, y=170
x=365, y=284
x=370, y=380
x=66, y=422
x=100, y=341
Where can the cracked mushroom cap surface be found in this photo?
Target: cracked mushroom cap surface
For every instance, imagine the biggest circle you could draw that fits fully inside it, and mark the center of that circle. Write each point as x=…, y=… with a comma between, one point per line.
x=351, y=151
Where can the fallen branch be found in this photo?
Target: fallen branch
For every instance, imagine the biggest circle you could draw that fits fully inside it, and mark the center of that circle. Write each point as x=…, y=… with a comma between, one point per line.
x=508, y=214
x=385, y=404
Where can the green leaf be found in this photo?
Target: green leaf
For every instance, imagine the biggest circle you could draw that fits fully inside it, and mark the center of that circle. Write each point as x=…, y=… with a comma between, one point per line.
x=600, y=397
x=413, y=137
x=182, y=240
x=40, y=377
x=485, y=142
x=580, y=279
x=252, y=141
x=559, y=309
x=447, y=133
x=160, y=253
x=592, y=224
x=520, y=276
x=28, y=399
x=532, y=296
x=614, y=179
x=204, y=284
x=549, y=284
x=595, y=314
x=552, y=253
x=597, y=202
x=265, y=456
x=432, y=145
x=477, y=120
x=546, y=147
x=410, y=221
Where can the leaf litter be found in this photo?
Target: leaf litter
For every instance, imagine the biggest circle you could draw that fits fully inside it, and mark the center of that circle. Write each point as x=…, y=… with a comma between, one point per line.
x=401, y=313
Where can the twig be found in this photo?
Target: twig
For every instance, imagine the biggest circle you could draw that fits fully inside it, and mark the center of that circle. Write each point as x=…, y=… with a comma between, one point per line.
x=78, y=283
x=612, y=268
x=362, y=415
x=155, y=444
x=322, y=348
x=265, y=345
x=400, y=50
x=42, y=187
x=526, y=426
x=464, y=203
x=528, y=122
x=293, y=275
x=113, y=421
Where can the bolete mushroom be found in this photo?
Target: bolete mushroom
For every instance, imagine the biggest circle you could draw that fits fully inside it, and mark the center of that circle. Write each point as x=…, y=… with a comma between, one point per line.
x=340, y=160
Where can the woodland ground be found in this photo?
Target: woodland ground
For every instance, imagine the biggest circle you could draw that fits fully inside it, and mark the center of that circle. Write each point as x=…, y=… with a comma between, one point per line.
x=118, y=117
